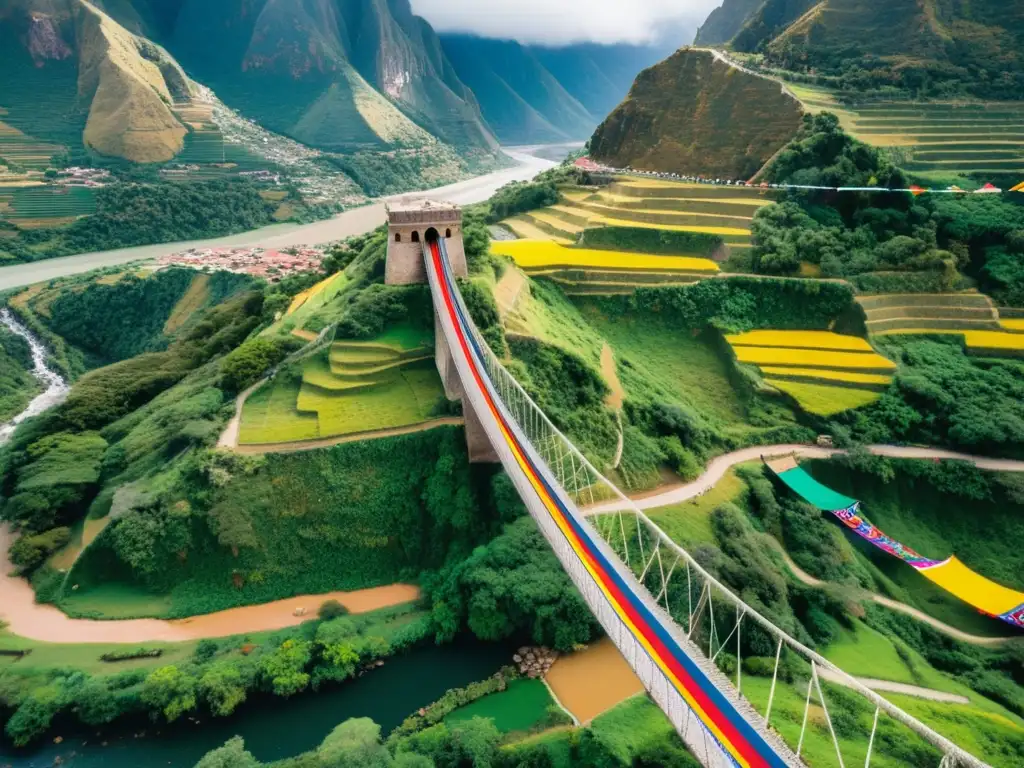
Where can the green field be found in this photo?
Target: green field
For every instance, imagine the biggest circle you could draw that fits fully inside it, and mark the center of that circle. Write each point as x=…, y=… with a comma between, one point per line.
x=50, y=202
x=944, y=139
x=348, y=388
x=946, y=311
x=518, y=708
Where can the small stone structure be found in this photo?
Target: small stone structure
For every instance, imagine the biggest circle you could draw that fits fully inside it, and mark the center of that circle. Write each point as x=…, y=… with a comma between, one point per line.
x=410, y=225
x=413, y=223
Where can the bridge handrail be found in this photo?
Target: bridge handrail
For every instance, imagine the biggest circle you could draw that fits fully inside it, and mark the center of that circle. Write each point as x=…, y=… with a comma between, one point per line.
x=953, y=754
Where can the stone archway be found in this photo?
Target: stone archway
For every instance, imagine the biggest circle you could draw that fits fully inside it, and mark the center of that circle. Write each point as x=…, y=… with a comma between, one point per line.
x=432, y=235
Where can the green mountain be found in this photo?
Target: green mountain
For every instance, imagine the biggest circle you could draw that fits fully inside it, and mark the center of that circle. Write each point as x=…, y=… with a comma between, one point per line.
x=72, y=76
x=337, y=74
x=534, y=94
x=927, y=47
x=726, y=21
x=521, y=100
x=694, y=114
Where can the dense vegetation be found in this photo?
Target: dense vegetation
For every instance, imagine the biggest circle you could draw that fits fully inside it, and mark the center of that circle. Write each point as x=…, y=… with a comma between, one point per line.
x=139, y=214
x=648, y=240
x=17, y=385
x=216, y=678
x=940, y=396
x=926, y=241
x=55, y=465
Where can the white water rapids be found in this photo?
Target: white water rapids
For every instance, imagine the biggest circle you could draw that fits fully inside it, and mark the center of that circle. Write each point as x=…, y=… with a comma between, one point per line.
x=56, y=387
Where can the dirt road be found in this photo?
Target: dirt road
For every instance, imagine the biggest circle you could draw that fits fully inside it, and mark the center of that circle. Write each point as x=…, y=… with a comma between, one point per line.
x=26, y=618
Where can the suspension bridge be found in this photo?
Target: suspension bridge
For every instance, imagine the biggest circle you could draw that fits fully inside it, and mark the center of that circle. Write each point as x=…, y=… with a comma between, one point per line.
x=669, y=617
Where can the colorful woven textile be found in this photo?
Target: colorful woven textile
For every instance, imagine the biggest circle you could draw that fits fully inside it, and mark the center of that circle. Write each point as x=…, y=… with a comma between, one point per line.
x=985, y=595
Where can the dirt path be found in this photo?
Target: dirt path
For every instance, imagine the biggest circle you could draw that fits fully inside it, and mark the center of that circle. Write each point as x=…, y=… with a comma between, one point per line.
x=327, y=442
x=46, y=623
x=718, y=467
x=906, y=689
x=616, y=396
x=509, y=290
x=908, y=610
x=229, y=437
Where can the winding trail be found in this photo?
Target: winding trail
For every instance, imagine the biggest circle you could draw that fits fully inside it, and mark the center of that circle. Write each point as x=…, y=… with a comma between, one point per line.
x=718, y=468
x=46, y=623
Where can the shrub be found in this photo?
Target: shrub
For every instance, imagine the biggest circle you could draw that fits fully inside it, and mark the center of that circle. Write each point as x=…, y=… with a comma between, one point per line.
x=29, y=552
x=247, y=364
x=646, y=240
x=519, y=197
x=331, y=609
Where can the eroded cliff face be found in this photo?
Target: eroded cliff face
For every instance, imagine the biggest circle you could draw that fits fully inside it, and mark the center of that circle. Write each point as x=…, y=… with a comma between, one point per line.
x=130, y=112
x=693, y=114
x=126, y=84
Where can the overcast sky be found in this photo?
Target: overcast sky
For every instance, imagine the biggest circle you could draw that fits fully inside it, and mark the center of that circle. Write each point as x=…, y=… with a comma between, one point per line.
x=564, y=21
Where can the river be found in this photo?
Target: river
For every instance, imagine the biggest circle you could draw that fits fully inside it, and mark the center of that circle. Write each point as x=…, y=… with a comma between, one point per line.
x=56, y=388
x=353, y=222
x=275, y=728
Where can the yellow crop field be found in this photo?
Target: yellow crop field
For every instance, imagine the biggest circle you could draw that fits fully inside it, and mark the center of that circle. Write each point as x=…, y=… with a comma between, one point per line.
x=823, y=400
x=998, y=340
x=800, y=340
x=309, y=293
x=609, y=222
x=534, y=255
x=530, y=232
x=850, y=377
x=557, y=223
x=1013, y=325
x=812, y=358
x=614, y=210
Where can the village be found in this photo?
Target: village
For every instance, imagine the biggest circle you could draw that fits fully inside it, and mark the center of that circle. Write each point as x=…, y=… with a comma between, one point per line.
x=266, y=263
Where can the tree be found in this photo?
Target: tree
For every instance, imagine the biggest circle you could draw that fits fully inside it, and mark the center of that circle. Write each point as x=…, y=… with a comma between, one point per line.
x=356, y=743
x=223, y=687
x=247, y=364
x=284, y=669
x=29, y=552
x=232, y=755
x=96, y=703
x=169, y=690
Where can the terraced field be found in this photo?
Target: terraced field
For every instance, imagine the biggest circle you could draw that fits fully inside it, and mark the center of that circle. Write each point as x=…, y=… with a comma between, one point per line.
x=826, y=373
x=352, y=387
x=584, y=270
x=646, y=203
x=47, y=206
x=942, y=139
x=982, y=343
x=891, y=313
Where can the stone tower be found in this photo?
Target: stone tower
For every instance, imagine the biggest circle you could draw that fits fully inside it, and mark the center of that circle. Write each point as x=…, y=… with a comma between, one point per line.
x=410, y=225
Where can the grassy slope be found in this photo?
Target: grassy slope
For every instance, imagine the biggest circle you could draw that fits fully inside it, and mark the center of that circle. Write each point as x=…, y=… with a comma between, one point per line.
x=518, y=708
x=348, y=517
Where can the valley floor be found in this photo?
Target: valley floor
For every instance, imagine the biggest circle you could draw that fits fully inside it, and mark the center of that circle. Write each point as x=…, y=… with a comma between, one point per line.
x=356, y=221
x=29, y=619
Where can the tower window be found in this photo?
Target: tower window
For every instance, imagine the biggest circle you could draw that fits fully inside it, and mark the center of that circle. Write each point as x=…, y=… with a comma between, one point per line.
x=415, y=237
x=398, y=237
x=447, y=233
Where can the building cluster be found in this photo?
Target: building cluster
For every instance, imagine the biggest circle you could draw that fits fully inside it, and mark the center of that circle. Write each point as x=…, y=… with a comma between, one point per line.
x=82, y=177
x=266, y=263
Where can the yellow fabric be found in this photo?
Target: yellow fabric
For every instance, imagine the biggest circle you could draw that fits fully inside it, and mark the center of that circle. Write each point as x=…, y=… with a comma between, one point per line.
x=1018, y=188
x=973, y=588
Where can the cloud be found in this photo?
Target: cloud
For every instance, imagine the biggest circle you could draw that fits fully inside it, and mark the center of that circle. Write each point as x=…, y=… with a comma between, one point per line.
x=557, y=22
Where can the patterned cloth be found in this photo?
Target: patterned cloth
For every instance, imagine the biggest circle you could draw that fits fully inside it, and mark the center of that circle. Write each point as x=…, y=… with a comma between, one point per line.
x=867, y=531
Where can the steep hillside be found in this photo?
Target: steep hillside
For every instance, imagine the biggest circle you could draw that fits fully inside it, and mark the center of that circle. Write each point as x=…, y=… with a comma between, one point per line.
x=336, y=74
x=935, y=47
x=726, y=21
x=74, y=76
x=694, y=114
x=520, y=98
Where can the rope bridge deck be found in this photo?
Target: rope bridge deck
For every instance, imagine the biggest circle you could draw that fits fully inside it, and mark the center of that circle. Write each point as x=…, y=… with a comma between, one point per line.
x=670, y=618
